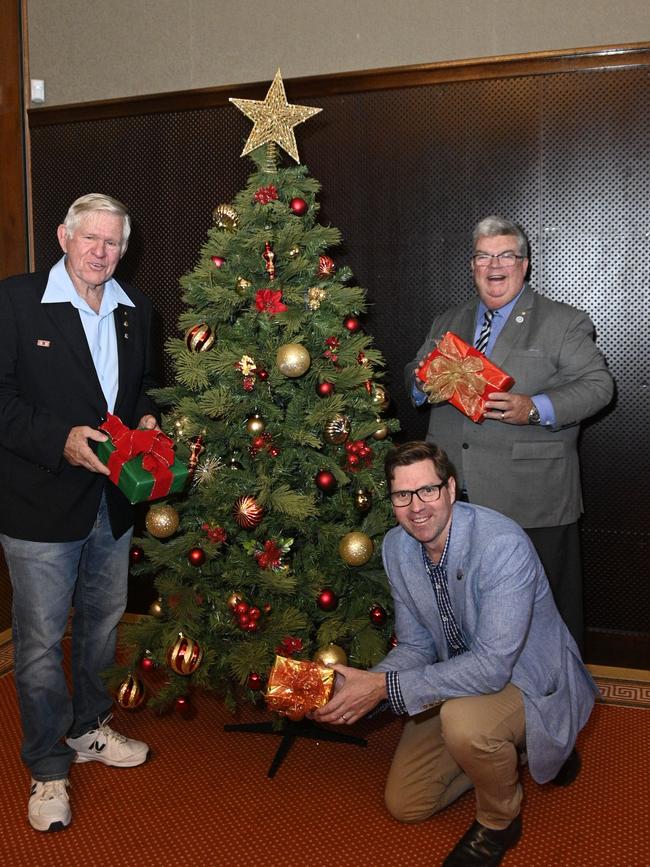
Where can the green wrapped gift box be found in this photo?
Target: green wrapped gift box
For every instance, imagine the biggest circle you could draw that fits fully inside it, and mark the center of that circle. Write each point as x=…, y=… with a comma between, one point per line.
x=135, y=482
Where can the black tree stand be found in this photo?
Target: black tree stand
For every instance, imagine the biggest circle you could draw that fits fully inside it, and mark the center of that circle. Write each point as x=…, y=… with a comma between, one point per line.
x=303, y=729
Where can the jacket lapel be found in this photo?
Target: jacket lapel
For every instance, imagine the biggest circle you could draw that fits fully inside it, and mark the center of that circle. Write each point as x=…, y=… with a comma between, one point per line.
x=123, y=317
x=66, y=321
x=514, y=329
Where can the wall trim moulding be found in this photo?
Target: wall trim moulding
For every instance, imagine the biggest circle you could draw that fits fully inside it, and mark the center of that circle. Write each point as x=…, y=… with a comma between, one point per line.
x=506, y=66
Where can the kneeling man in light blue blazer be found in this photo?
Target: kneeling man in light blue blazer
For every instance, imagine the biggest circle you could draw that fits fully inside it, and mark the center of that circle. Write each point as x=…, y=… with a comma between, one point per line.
x=485, y=669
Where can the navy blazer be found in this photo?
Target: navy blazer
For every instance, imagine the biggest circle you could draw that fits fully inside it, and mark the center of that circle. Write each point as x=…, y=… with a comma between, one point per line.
x=503, y=604
x=48, y=384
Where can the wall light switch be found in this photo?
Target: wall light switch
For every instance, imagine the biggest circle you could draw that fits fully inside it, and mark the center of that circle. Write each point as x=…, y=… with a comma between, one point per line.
x=38, y=90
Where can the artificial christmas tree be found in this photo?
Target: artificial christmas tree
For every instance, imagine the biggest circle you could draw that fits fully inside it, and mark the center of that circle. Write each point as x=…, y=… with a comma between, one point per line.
x=277, y=409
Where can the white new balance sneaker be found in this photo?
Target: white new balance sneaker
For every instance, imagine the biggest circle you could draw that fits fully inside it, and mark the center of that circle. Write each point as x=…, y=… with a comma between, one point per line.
x=49, y=805
x=111, y=748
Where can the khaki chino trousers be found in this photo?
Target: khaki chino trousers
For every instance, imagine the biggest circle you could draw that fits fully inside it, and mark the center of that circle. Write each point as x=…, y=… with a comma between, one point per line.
x=466, y=742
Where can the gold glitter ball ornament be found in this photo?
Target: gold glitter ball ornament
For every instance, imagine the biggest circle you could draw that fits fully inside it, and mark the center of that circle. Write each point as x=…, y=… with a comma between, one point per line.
x=380, y=397
x=382, y=431
x=293, y=359
x=130, y=693
x=226, y=217
x=242, y=286
x=294, y=252
x=331, y=655
x=337, y=430
x=233, y=600
x=156, y=609
x=162, y=521
x=356, y=548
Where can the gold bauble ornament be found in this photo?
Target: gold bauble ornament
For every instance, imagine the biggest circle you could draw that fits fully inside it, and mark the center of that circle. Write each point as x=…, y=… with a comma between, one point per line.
x=382, y=431
x=130, y=693
x=156, y=609
x=356, y=548
x=185, y=655
x=226, y=217
x=337, y=430
x=380, y=397
x=294, y=252
x=362, y=500
x=234, y=599
x=255, y=424
x=293, y=359
x=331, y=655
x=162, y=521
x=199, y=338
x=242, y=286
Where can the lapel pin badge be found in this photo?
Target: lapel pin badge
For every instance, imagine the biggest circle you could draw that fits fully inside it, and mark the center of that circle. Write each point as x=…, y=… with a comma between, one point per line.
x=44, y=343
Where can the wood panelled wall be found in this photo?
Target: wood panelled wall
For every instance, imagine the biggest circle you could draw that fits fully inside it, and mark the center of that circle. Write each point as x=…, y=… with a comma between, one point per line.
x=409, y=159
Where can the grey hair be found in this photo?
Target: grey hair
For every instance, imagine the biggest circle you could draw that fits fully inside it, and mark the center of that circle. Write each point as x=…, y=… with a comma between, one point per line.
x=494, y=226
x=90, y=204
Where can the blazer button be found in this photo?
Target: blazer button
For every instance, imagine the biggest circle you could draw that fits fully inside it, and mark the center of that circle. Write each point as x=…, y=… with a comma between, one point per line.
x=465, y=445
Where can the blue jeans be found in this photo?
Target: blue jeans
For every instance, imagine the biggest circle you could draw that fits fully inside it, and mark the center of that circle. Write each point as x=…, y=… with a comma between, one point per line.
x=47, y=579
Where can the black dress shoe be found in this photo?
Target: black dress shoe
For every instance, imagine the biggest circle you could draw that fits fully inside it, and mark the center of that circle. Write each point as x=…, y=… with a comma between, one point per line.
x=483, y=847
x=569, y=770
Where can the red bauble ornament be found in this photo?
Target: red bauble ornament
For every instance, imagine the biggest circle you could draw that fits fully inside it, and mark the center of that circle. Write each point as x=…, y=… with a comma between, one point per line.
x=378, y=615
x=325, y=481
x=147, y=663
x=196, y=556
x=352, y=324
x=327, y=600
x=243, y=620
x=262, y=374
x=218, y=261
x=247, y=512
x=326, y=266
x=130, y=693
x=182, y=703
x=393, y=640
x=254, y=681
x=298, y=206
x=240, y=608
x=325, y=388
x=136, y=554
x=185, y=655
x=254, y=612
x=199, y=338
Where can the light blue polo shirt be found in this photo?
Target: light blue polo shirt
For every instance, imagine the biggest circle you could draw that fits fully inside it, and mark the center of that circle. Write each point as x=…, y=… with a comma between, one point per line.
x=99, y=328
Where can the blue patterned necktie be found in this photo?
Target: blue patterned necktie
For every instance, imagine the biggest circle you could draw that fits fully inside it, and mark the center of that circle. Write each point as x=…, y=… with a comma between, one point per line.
x=484, y=336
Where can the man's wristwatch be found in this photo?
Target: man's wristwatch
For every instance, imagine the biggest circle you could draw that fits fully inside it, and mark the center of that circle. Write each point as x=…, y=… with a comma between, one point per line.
x=533, y=416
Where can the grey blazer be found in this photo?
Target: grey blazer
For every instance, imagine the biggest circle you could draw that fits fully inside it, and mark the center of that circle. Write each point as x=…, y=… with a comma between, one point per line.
x=529, y=473
x=504, y=608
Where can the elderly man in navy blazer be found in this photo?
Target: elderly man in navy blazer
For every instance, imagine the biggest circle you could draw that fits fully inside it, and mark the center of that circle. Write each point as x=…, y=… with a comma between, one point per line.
x=74, y=344
x=485, y=668
x=523, y=459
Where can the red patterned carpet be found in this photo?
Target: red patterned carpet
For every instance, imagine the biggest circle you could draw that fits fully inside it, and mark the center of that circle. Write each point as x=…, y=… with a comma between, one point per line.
x=204, y=800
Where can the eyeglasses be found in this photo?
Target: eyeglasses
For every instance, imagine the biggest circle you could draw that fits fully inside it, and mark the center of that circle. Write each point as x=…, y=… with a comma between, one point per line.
x=506, y=260
x=427, y=494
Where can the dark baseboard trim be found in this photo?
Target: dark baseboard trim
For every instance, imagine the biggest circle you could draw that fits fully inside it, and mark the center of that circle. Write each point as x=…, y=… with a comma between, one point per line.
x=620, y=649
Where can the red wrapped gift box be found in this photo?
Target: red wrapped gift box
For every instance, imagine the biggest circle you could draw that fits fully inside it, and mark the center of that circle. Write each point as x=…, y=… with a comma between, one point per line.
x=459, y=373
x=297, y=686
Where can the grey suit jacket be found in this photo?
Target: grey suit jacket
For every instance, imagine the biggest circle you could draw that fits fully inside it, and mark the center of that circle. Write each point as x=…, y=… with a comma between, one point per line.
x=504, y=608
x=527, y=472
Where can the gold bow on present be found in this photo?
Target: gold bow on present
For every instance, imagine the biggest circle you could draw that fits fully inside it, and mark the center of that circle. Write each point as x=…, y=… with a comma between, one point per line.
x=449, y=373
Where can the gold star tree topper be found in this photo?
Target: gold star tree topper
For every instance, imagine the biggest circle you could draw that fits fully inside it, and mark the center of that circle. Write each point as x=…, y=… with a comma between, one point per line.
x=274, y=119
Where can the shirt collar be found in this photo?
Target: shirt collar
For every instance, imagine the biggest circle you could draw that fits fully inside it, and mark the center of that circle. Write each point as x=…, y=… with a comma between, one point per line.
x=504, y=311
x=442, y=563
x=60, y=289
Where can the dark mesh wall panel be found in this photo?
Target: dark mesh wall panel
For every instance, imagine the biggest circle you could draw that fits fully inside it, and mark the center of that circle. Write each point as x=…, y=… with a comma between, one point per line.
x=406, y=172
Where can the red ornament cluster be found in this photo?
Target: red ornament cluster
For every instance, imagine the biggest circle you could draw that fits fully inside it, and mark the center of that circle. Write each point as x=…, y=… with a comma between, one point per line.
x=247, y=616
x=263, y=442
x=288, y=646
x=266, y=194
x=270, y=557
x=332, y=344
x=215, y=534
x=359, y=455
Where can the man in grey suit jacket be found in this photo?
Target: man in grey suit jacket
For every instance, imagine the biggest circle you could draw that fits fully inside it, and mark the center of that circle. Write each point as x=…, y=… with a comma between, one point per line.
x=484, y=666
x=523, y=459
x=74, y=344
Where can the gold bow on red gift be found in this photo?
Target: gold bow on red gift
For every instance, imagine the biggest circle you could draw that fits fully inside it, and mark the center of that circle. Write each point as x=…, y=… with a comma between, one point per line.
x=156, y=448
x=451, y=373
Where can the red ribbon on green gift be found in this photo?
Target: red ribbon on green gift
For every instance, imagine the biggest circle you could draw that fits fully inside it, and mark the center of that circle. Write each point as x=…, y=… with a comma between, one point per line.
x=156, y=448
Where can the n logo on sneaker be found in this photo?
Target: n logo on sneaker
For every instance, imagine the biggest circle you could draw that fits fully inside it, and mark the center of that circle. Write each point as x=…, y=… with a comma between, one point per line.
x=97, y=747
